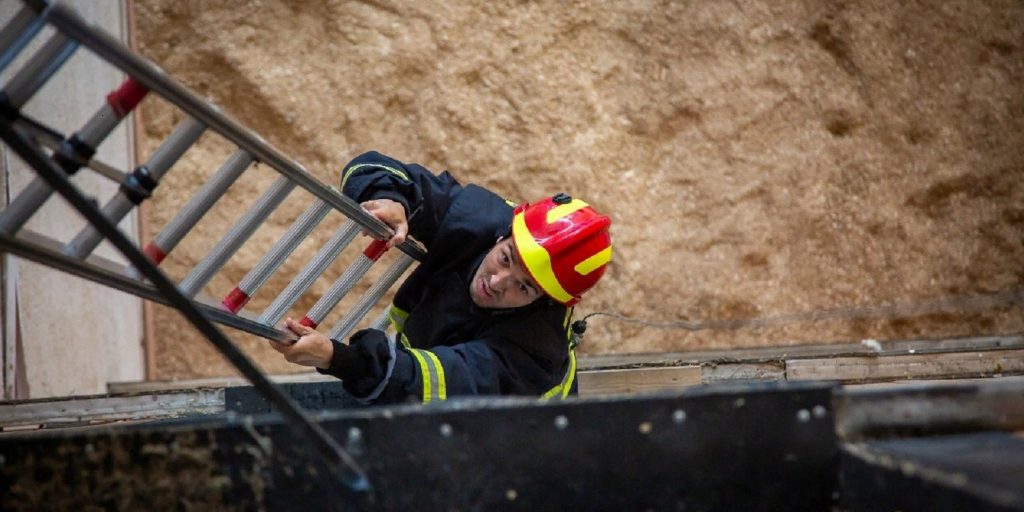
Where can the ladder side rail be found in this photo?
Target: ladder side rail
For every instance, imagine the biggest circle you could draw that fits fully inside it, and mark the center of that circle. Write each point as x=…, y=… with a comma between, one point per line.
x=347, y=324
x=273, y=313
x=47, y=251
x=110, y=49
x=352, y=474
x=140, y=184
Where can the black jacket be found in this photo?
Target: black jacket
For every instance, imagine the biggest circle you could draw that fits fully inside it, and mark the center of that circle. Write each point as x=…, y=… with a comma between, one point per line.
x=447, y=345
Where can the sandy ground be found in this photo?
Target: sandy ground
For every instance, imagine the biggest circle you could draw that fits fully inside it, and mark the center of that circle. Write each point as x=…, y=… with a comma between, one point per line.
x=758, y=158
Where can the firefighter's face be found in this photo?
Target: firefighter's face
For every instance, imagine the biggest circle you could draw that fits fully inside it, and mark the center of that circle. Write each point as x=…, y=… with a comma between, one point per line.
x=501, y=281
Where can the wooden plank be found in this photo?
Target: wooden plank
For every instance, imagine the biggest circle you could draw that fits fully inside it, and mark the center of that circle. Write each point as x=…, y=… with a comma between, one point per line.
x=111, y=408
x=813, y=351
x=867, y=369
x=604, y=382
x=212, y=382
x=711, y=373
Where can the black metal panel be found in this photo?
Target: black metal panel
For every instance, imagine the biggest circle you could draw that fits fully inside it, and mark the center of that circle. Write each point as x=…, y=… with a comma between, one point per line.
x=754, y=447
x=312, y=396
x=977, y=472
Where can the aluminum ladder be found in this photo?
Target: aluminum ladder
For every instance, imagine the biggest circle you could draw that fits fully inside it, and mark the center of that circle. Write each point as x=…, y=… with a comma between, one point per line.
x=55, y=157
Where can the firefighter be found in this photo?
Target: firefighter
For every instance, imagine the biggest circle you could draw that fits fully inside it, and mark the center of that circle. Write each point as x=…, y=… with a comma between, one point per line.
x=487, y=312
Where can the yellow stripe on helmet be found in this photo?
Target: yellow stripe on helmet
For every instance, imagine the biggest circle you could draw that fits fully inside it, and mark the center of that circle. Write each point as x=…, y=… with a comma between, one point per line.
x=537, y=260
x=566, y=209
x=594, y=262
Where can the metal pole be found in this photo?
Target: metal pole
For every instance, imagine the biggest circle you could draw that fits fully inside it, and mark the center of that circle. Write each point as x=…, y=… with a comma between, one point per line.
x=344, y=284
x=238, y=234
x=197, y=206
x=314, y=269
x=271, y=261
x=138, y=185
x=371, y=297
x=352, y=474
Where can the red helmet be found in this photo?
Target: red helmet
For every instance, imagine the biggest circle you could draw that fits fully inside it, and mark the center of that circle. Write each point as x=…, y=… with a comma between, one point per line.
x=564, y=245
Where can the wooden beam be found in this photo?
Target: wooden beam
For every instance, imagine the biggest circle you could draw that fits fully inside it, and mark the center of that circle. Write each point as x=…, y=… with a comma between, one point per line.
x=604, y=382
x=929, y=366
x=814, y=351
x=46, y=412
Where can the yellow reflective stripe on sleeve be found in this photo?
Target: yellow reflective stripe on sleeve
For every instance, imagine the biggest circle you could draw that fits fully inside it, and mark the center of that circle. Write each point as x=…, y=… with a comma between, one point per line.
x=404, y=339
x=594, y=262
x=434, y=385
x=425, y=374
x=442, y=386
x=397, y=318
x=354, y=168
x=565, y=209
x=537, y=260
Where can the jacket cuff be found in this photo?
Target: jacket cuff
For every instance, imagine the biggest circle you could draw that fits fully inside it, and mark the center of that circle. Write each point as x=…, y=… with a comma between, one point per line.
x=343, y=361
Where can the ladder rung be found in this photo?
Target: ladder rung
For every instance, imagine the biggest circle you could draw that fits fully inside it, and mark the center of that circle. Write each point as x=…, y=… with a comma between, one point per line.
x=139, y=184
x=314, y=269
x=274, y=258
x=234, y=239
x=43, y=64
x=344, y=284
x=371, y=297
x=197, y=206
x=17, y=34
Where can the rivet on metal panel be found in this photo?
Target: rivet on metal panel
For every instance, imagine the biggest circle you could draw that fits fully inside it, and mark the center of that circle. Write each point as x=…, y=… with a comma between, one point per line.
x=354, y=443
x=679, y=416
x=645, y=427
x=446, y=430
x=803, y=415
x=819, y=411
x=561, y=422
x=739, y=402
x=511, y=494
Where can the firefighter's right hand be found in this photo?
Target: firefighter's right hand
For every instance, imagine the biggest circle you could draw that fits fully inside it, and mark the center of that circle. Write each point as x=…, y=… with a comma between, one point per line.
x=391, y=213
x=311, y=349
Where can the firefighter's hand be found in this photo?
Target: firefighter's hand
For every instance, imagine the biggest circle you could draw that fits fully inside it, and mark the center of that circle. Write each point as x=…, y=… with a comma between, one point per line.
x=391, y=213
x=311, y=349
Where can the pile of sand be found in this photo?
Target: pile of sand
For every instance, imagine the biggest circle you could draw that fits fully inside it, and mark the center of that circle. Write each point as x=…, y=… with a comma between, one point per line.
x=759, y=159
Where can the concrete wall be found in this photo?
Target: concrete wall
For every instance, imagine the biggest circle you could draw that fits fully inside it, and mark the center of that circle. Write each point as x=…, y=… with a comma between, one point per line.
x=63, y=335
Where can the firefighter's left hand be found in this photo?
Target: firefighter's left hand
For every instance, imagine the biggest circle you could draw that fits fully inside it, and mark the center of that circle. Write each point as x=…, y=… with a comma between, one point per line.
x=311, y=349
x=391, y=213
